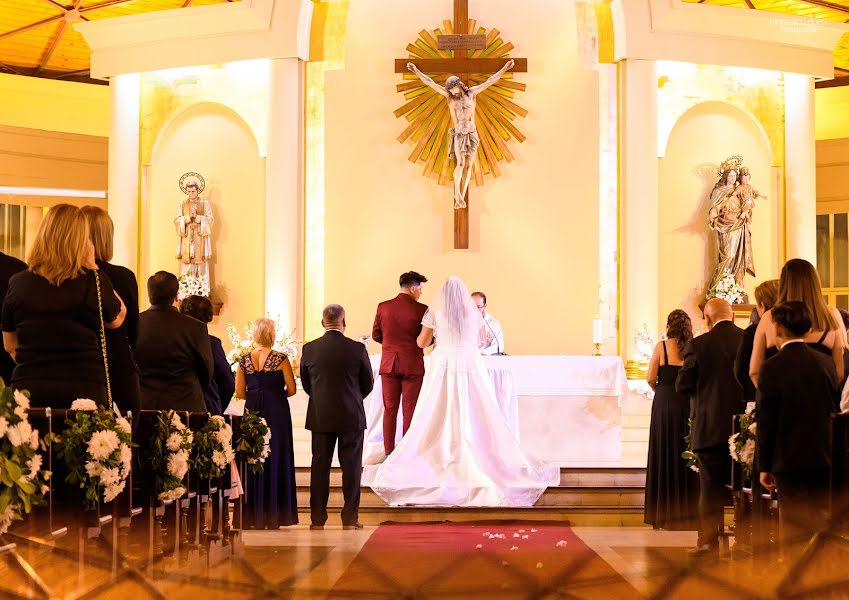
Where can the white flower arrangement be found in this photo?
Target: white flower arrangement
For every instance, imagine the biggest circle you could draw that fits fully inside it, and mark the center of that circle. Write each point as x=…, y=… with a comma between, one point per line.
x=169, y=455
x=192, y=285
x=96, y=446
x=728, y=289
x=22, y=480
x=212, y=450
x=741, y=445
x=243, y=344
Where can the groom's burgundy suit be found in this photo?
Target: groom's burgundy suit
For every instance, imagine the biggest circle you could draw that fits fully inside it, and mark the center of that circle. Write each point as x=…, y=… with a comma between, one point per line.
x=396, y=326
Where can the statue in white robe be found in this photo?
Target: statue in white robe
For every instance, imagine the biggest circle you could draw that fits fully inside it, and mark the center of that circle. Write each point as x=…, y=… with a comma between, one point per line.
x=194, y=230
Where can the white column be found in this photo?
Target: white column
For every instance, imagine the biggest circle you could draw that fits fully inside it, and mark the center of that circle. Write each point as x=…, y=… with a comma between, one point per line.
x=123, y=200
x=284, y=193
x=800, y=167
x=639, y=196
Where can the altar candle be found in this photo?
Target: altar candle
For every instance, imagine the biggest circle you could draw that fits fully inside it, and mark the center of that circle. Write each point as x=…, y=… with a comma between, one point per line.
x=598, y=336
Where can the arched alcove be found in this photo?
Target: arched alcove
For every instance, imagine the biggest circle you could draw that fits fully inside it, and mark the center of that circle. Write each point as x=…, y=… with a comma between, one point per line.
x=702, y=138
x=213, y=140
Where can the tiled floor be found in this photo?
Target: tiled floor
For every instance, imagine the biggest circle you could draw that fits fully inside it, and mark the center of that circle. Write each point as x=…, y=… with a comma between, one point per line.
x=299, y=563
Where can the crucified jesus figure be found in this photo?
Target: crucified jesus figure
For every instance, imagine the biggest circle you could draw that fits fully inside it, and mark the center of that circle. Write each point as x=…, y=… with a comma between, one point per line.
x=464, y=140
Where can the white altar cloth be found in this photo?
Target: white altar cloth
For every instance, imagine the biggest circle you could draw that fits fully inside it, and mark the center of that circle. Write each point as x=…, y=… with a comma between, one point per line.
x=568, y=408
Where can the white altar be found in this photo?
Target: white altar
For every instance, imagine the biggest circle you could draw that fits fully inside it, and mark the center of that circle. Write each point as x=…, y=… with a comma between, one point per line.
x=567, y=408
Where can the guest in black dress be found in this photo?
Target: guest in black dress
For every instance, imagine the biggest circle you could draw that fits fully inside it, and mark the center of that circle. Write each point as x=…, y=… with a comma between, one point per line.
x=672, y=489
x=51, y=315
x=123, y=371
x=9, y=265
x=266, y=381
x=765, y=296
x=223, y=383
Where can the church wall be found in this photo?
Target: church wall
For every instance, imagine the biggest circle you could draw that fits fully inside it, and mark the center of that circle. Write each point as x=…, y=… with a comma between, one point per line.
x=534, y=231
x=51, y=105
x=687, y=175
x=832, y=108
x=214, y=141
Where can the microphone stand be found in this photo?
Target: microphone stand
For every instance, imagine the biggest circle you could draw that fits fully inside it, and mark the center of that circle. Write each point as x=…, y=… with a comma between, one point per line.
x=497, y=343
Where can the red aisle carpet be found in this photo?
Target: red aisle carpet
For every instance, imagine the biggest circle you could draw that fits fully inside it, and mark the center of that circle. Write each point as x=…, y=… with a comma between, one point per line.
x=442, y=560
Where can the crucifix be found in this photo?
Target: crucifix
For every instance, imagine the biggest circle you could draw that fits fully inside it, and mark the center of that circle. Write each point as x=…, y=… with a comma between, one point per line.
x=460, y=42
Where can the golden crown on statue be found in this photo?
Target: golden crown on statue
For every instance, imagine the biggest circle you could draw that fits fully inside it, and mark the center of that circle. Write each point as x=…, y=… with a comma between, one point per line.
x=734, y=162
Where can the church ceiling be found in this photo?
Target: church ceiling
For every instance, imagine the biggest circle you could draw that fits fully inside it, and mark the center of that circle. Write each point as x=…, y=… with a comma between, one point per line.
x=829, y=10
x=37, y=37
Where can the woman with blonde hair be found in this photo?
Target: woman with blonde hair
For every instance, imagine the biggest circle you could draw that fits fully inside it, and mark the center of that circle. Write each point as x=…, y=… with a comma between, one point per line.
x=123, y=371
x=800, y=282
x=54, y=311
x=266, y=381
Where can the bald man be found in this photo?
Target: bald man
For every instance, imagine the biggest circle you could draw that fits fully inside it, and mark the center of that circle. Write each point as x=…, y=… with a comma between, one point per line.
x=707, y=376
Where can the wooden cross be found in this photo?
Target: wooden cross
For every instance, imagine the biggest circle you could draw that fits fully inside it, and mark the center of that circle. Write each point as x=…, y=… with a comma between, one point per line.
x=462, y=66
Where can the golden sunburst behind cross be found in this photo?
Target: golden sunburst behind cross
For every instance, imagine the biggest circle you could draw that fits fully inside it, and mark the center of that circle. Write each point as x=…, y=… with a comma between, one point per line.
x=429, y=119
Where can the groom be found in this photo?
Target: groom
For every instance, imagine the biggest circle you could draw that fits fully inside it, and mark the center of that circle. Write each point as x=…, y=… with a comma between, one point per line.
x=396, y=326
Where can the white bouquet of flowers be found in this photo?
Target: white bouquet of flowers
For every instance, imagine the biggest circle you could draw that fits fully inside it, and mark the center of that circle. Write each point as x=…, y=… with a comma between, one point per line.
x=192, y=285
x=96, y=446
x=22, y=480
x=212, y=449
x=728, y=289
x=169, y=455
x=243, y=344
x=741, y=445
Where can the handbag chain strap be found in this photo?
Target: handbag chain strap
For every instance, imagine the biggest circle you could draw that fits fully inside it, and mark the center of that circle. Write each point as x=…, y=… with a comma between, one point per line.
x=103, y=340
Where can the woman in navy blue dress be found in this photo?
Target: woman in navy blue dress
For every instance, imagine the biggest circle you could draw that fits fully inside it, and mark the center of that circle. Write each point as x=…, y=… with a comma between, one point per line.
x=266, y=381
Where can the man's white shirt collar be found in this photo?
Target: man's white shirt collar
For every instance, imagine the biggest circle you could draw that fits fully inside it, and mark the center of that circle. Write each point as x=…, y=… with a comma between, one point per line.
x=796, y=341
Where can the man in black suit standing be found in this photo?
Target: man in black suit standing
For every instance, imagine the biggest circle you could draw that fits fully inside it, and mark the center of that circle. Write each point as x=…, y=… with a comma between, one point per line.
x=337, y=376
x=172, y=351
x=794, y=411
x=9, y=265
x=707, y=376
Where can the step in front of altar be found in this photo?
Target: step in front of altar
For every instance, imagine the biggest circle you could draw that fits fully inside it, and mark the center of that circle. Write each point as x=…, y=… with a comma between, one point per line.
x=608, y=496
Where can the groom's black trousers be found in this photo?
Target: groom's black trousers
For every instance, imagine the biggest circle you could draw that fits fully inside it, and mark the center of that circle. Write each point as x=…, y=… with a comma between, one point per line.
x=351, y=461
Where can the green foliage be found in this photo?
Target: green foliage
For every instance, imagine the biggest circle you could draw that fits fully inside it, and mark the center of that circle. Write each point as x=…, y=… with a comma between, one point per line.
x=252, y=446
x=169, y=463
x=211, y=450
x=83, y=468
x=688, y=454
x=22, y=481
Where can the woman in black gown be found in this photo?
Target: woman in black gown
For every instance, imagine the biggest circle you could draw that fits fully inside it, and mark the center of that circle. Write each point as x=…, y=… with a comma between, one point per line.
x=265, y=379
x=123, y=371
x=671, y=496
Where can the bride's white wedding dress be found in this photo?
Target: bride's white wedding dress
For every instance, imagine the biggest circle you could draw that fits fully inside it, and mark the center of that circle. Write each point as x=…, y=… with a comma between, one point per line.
x=459, y=450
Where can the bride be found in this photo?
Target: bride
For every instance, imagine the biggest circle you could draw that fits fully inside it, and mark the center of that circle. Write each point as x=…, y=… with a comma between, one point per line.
x=459, y=450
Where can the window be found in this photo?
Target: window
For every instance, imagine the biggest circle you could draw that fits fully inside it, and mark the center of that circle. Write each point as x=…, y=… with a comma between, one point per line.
x=13, y=222
x=833, y=257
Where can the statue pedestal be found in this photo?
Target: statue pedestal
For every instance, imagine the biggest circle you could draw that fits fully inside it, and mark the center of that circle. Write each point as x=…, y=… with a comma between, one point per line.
x=742, y=311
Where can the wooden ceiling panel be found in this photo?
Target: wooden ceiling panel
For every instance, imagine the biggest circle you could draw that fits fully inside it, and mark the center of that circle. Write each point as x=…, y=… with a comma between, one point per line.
x=33, y=40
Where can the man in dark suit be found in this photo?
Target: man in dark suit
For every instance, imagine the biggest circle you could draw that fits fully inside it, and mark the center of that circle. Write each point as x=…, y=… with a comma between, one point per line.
x=707, y=376
x=336, y=374
x=173, y=351
x=9, y=265
x=397, y=324
x=794, y=412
